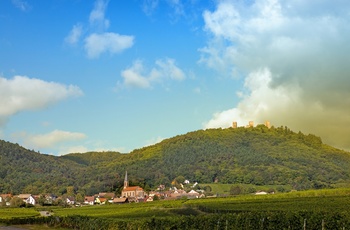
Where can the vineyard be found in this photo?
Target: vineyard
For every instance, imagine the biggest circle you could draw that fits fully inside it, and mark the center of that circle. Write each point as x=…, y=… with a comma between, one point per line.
x=318, y=209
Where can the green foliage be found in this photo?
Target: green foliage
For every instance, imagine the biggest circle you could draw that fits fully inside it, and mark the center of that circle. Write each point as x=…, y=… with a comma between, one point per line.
x=236, y=190
x=258, y=156
x=8, y=213
x=17, y=202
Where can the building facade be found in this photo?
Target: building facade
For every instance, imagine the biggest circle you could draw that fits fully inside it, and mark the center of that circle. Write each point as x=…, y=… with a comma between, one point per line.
x=135, y=192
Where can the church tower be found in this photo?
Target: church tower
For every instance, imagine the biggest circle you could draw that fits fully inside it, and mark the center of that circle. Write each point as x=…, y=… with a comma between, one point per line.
x=126, y=182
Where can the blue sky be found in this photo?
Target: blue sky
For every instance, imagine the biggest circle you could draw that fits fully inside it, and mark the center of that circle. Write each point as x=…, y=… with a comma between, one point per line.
x=100, y=75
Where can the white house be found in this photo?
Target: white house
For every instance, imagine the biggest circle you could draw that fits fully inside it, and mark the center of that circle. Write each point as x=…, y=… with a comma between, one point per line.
x=90, y=200
x=70, y=200
x=27, y=198
x=193, y=194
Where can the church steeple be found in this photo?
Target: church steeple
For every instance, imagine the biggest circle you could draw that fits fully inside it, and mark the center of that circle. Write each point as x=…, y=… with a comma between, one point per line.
x=126, y=182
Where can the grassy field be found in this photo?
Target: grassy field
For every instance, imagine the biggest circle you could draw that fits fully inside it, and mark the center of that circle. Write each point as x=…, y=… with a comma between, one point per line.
x=314, y=205
x=312, y=200
x=224, y=189
x=6, y=213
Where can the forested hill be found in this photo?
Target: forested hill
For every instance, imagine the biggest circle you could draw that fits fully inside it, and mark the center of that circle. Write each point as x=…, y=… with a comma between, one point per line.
x=260, y=156
x=22, y=170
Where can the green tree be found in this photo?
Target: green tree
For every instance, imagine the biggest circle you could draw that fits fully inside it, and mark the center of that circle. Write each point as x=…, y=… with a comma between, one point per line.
x=42, y=200
x=70, y=191
x=79, y=198
x=17, y=202
x=235, y=190
x=207, y=188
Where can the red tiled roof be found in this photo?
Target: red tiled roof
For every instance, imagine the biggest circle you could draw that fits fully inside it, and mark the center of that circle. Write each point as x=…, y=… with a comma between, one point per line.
x=89, y=198
x=132, y=188
x=5, y=195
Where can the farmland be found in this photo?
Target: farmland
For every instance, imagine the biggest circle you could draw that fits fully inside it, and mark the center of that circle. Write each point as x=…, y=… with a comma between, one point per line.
x=315, y=208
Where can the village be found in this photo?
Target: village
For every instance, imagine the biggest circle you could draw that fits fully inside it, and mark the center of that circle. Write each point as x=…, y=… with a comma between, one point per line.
x=129, y=194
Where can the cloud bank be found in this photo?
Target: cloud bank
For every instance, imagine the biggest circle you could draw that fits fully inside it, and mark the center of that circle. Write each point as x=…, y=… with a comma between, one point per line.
x=50, y=140
x=293, y=56
x=22, y=93
x=137, y=76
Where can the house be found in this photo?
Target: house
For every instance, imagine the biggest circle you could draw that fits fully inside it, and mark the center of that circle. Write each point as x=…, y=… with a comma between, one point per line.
x=50, y=198
x=27, y=198
x=178, y=193
x=121, y=200
x=193, y=194
x=70, y=200
x=90, y=200
x=100, y=200
x=109, y=195
x=5, y=198
x=134, y=192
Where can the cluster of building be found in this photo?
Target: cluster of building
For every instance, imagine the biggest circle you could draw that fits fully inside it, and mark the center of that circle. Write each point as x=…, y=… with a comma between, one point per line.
x=251, y=124
x=128, y=194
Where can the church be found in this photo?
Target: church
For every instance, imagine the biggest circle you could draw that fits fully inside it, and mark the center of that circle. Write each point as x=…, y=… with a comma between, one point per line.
x=133, y=192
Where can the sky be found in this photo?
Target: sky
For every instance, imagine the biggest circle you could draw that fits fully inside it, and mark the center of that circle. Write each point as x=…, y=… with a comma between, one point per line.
x=99, y=75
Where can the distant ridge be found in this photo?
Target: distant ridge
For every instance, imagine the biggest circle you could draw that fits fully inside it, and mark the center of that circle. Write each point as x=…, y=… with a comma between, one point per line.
x=255, y=155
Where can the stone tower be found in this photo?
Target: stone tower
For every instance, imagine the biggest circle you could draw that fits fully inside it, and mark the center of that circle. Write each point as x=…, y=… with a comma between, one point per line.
x=234, y=124
x=251, y=124
x=267, y=124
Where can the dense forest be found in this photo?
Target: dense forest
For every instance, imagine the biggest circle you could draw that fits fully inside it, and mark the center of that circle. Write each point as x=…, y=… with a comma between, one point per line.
x=259, y=156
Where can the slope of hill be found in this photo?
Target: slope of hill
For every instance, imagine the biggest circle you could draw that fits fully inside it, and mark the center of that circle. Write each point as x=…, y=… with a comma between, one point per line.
x=255, y=155
x=260, y=156
x=25, y=171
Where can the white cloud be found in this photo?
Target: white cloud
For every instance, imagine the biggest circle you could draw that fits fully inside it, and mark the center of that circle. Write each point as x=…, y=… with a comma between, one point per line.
x=149, y=6
x=22, y=93
x=50, y=140
x=133, y=76
x=259, y=102
x=177, y=6
x=138, y=77
x=97, y=15
x=98, y=41
x=74, y=35
x=303, y=45
x=169, y=69
x=96, y=44
x=22, y=5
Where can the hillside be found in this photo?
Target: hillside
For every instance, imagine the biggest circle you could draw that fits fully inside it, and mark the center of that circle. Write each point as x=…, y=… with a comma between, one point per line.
x=260, y=156
x=25, y=171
